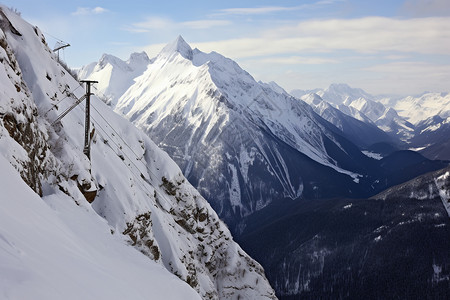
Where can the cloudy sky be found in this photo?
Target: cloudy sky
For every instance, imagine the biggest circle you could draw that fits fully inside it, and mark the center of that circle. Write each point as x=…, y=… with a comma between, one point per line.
x=384, y=46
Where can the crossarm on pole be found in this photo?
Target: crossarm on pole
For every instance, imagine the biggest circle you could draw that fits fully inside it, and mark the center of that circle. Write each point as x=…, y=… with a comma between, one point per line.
x=68, y=110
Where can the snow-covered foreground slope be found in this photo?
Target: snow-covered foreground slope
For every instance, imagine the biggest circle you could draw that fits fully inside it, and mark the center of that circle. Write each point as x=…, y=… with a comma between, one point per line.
x=50, y=248
x=141, y=199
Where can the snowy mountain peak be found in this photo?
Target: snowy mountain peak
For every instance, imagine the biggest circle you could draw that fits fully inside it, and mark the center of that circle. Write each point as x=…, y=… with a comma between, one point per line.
x=178, y=45
x=138, y=58
x=312, y=98
x=339, y=87
x=341, y=93
x=111, y=59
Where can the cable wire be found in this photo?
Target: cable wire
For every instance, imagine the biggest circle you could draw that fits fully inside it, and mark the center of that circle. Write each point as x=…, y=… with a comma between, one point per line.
x=56, y=104
x=141, y=181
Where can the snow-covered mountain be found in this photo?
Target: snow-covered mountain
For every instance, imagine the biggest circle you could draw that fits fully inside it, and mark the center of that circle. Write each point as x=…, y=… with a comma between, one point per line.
x=430, y=113
x=114, y=75
x=261, y=144
x=336, y=93
x=397, y=126
x=428, y=105
x=361, y=130
x=364, y=107
x=239, y=142
x=147, y=231
x=433, y=137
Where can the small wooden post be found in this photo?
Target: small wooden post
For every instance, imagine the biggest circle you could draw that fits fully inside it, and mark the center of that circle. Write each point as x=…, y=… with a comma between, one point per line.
x=87, y=144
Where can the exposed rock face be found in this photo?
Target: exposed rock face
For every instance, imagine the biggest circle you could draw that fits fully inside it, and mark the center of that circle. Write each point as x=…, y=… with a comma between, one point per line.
x=19, y=115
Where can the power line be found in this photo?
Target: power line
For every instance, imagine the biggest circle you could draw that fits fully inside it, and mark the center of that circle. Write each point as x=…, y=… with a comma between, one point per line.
x=131, y=149
x=58, y=39
x=56, y=104
x=141, y=181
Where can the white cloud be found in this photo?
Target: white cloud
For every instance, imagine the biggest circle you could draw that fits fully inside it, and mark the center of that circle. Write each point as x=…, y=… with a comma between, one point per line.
x=290, y=53
x=99, y=10
x=369, y=35
x=427, y=7
x=296, y=60
x=152, y=50
x=257, y=10
x=88, y=10
x=272, y=9
x=396, y=57
x=205, y=24
x=153, y=23
x=364, y=35
x=413, y=69
x=409, y=77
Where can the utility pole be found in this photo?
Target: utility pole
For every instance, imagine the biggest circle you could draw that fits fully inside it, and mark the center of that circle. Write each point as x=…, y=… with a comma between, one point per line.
x=60, y=45
x=87, y=144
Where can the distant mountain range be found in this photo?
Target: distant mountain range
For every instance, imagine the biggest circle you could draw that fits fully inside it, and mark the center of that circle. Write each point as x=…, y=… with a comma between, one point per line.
x=413, y=122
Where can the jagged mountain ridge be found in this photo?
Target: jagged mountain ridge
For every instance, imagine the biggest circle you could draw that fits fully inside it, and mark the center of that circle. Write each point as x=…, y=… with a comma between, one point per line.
x=419, y=108
x=336, y=93
x=403, y=118
x=364, y=107
x=114, y=75
x=361, y=131
x=216, y=121
x=141, y=196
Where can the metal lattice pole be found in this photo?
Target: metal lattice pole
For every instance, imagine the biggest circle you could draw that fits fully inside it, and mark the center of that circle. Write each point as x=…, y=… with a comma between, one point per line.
x=87, y=144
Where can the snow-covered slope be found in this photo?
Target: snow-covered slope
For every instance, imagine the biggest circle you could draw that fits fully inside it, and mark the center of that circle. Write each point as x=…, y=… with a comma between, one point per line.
x=240, y=142
x=53, y=249
x=146, y=219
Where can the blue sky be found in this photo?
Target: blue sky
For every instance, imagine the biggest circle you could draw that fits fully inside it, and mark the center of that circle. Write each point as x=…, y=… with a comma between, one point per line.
x=385, y=46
